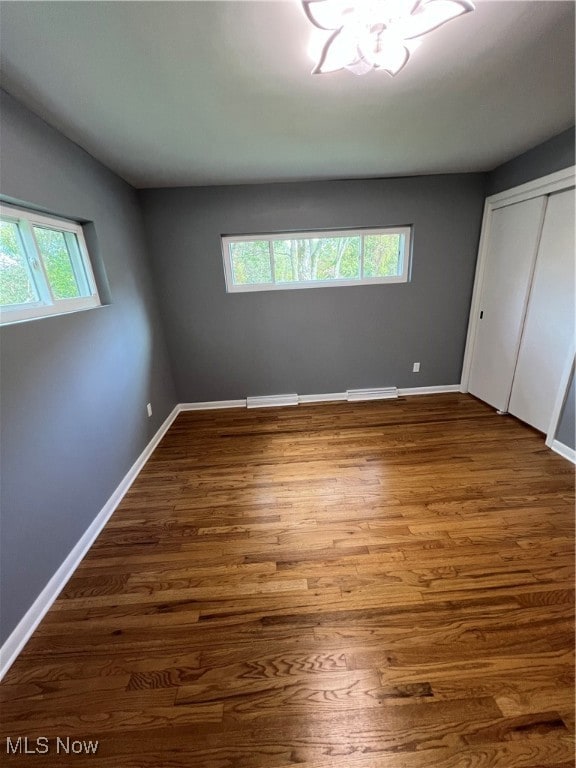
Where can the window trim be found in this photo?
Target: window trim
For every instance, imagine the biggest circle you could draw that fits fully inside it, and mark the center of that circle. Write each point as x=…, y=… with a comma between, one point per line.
x=48, y=305
x=406, y=231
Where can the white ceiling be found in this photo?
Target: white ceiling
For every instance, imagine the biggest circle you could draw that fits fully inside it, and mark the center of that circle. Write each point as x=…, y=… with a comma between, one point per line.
x=194, y=93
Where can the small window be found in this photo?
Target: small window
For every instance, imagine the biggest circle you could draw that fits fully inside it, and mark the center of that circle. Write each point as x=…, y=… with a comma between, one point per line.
x=44, y=267
x=316, y=259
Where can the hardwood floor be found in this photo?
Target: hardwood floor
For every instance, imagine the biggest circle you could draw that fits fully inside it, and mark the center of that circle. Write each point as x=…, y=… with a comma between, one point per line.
x=370, y=585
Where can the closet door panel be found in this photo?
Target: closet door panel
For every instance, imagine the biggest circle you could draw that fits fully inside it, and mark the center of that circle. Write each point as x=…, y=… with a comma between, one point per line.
x=549, y=325
x=510, y=256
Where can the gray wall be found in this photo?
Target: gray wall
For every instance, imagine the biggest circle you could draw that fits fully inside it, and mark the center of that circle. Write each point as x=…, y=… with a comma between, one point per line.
x=75, y=387
x=553, y=155
x=324, y=339
x=548, y=157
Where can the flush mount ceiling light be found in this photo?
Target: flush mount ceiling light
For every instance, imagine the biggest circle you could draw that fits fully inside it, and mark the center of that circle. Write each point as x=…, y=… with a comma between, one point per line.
x=376, y=34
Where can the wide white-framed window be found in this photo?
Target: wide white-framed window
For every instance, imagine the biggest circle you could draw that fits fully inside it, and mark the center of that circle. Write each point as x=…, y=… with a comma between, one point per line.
x=280, y=261
x=44, y=266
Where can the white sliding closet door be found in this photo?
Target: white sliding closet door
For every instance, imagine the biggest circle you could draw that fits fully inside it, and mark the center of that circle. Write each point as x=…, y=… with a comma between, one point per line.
x=511, y=252
x=549, y=326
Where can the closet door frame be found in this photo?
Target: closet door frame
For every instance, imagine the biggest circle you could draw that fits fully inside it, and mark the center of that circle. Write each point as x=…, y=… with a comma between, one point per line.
x=553, y=182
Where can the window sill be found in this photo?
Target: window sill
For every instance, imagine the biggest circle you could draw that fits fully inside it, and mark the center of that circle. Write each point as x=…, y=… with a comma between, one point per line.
x=6, y=320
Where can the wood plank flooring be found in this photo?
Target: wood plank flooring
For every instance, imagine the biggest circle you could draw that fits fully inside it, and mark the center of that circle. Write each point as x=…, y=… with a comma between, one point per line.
x=369, y=585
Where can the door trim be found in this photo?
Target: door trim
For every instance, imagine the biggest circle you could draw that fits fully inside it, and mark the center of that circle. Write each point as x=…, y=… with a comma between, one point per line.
x=553, y=182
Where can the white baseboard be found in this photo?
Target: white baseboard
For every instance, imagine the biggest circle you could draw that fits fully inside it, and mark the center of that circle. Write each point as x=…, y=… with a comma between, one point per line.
x=212, y=405
x=333, y=397
x=271, y=401
x=330, y=397
x=564, y=451
x=34, y=615
x=376, y=393
x=436, y=390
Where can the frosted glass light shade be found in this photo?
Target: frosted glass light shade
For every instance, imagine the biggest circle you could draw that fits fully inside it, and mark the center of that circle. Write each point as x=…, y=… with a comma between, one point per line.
x=429, y=15
x=376, y=34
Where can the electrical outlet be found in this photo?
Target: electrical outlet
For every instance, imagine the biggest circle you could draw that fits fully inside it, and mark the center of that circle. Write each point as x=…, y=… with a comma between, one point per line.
x=149, y=409
x=416, y=368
